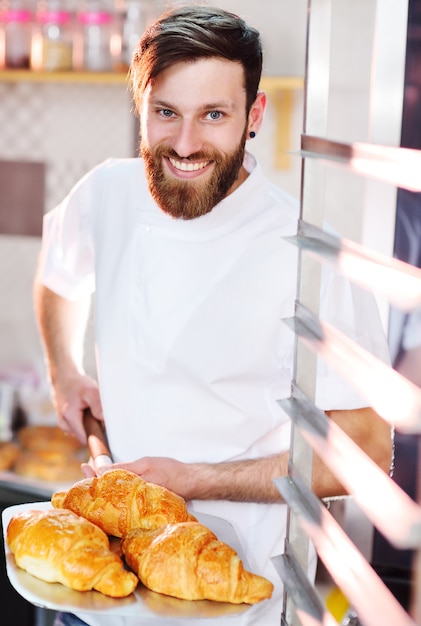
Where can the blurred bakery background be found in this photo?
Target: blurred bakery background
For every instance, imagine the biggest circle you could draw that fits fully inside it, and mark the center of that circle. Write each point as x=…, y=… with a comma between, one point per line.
x=64, y=107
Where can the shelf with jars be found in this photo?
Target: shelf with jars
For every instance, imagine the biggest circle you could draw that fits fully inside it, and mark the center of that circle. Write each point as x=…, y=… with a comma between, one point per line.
x=70, y=35
x=44, y=76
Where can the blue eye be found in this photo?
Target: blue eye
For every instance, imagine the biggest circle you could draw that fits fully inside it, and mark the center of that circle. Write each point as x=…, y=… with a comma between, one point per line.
x=166, y=112
x=215, y=115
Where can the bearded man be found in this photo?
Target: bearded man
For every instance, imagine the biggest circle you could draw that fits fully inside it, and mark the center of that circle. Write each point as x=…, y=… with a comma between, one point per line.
x=184, y=254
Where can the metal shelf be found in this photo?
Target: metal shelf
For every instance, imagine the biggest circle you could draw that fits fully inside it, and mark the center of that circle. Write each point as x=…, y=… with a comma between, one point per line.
x=387, y=506
x=399, y=282
x=368, y=595
x=394, y=397
x=394, y=165
x=309, y=606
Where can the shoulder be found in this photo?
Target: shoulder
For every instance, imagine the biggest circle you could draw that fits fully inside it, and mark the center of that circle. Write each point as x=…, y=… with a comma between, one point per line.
x=289, y=205
x=270, y=199
x=114, y=171
x=109, y=184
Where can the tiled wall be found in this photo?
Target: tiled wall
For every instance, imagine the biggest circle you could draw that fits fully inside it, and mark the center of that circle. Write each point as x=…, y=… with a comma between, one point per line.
x=70, y=127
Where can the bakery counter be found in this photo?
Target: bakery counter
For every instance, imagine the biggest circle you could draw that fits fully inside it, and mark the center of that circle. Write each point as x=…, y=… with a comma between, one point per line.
x=26, y=489
x=39, y=461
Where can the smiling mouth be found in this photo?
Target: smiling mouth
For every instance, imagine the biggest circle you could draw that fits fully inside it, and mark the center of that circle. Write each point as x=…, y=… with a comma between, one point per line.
x=188, y=167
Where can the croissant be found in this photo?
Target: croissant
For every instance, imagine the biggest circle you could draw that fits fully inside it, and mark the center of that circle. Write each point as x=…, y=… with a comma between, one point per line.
x=186, y=560
x=59, y=546
x=119, y=501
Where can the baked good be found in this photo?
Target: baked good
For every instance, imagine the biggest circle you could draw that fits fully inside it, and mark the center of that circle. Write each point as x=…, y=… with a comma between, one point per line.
x=49, y=465
x=50, y=454
x=186, y=560
x=9, y=453
x=119, y=501
x=59, y=546
x=42, y=437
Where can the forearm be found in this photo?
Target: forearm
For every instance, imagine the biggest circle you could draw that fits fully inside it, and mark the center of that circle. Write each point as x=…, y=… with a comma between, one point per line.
x=239, y=481
x=62, y=326
x=370, y=432
x=252, y=480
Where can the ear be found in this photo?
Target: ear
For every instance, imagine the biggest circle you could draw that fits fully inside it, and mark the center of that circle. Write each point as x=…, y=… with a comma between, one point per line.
x=255, y=117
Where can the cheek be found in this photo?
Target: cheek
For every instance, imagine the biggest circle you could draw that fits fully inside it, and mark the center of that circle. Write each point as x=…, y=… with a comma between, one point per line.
x=224, y=139
x=153, y=135
x=147, y=130
x=231, y=141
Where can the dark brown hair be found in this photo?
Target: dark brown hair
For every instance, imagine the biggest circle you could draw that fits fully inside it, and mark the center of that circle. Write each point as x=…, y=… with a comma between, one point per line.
x=196, y=32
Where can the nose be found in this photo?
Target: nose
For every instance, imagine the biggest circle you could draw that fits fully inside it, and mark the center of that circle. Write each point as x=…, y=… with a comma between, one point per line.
x=187, y=138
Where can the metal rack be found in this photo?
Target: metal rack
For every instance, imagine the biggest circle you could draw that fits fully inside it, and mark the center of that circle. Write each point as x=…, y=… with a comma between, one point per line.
x=355, y=73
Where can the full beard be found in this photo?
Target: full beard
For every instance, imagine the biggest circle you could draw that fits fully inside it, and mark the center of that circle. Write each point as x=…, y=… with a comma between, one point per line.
x=188, y=199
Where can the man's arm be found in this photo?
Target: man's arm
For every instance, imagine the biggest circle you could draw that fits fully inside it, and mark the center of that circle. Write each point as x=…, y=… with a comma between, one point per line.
x=252, y=480
x=62, y=326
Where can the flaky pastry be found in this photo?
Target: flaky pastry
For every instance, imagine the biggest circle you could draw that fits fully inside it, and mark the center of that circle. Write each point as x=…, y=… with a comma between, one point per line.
x=59, y=546
x=119, y=501
x=187, y=561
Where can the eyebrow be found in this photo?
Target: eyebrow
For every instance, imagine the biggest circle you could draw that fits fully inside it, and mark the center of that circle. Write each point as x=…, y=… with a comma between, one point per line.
x=211, y=106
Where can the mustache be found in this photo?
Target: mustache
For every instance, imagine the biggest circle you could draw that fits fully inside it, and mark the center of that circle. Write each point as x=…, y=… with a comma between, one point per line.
x=202, y=155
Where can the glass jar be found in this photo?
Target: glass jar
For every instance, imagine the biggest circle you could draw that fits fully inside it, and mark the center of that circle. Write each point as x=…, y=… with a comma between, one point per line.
x=138, y=15
x=52, y=41
x=96, y=29
x=16, y=31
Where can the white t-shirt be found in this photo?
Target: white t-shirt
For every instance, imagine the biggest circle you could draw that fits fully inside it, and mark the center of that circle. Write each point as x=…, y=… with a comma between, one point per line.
x=191, y=350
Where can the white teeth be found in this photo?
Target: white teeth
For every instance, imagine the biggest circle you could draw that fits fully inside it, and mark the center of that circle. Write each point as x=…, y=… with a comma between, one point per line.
x=188, y=167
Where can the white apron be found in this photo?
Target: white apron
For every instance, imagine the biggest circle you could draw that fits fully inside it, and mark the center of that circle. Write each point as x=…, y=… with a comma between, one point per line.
x=192, y=353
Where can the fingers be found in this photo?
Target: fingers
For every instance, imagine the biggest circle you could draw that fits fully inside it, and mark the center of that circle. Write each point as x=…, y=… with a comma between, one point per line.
x=72, y=423
x=96, y=467
x=106, y=467
x=93, y=402
x=84, y=397
x=87, y=470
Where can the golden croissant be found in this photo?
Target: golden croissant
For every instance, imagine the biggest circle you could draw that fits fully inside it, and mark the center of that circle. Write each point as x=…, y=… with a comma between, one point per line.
x=59, y=546
x=186, y=560
x=119, y=501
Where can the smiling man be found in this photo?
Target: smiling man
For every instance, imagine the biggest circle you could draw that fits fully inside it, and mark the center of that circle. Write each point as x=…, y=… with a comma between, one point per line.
x=183, y=251
x=192, y=141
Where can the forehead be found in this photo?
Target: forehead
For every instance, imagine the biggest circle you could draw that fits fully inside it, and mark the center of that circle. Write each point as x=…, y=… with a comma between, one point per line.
x=194, y=83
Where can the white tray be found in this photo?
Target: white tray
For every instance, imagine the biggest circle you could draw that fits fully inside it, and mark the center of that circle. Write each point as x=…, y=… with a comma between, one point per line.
x=32, y=486
x=141, y=604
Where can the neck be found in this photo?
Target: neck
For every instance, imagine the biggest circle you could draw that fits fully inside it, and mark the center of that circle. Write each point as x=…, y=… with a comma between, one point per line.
x=242, y=176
